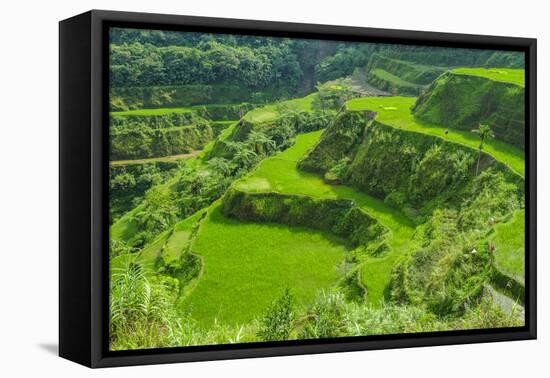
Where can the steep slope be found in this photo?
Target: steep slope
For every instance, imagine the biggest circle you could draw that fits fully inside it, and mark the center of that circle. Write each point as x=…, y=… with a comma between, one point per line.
x=396, y=112
x=412, y=72
x=279, y=121
x=455, y=193
x=398, y=76
x=463, y=99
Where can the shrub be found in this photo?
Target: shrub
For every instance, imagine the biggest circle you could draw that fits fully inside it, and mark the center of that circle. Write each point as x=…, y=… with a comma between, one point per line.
x=129, y=183
x=338, y=172
x=326, y=318
x=157, y=213
x=279, y=319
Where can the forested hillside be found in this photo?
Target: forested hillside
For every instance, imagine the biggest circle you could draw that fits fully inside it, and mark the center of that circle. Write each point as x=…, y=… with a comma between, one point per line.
x=267, y=189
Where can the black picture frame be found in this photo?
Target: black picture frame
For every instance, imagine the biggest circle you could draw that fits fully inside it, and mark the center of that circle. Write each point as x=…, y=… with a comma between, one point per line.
x=83, y=195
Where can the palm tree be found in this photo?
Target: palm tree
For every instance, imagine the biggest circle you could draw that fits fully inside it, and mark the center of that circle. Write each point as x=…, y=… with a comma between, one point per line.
x=485, y=133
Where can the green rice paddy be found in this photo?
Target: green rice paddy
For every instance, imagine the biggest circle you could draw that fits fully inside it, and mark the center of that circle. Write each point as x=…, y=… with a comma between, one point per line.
x=280, y=174
x=269, y=112
x=510, y=246
x=248, y=265
x=506, y=75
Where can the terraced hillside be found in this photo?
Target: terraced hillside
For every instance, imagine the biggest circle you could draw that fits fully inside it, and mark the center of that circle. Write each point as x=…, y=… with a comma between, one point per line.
x=396, y=111
x=280, y=174
x=392, y=163
x=463, y=98
x=400, y=77
x=215, y=254
x=251, y=201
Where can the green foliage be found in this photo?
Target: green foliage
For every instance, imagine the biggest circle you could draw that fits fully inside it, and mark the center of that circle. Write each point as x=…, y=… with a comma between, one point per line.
x=446, y=273
x=409, y=170
x=144, y=142
x=158, y=211
x=123, y=99
x=274, y=128
x=453, y=57
x=407, y=72
x=463, y=101
x=341, y=136
x=141, y=309
x=145, y=65
x=343, y=62
x=485, y=133
x=332, y=96
x=331, y=316
x=279, y=67
x=392, y=84
x=153, y=118
x=278, y=320
x=338, y=216
x=489, y=198
x=217, y=263
x=199, y=186
x=326, y=318
x=396, y=112
x=441, y=168
x=338, y=172
x=119, y=248
x=453, y=264
x=128, y=184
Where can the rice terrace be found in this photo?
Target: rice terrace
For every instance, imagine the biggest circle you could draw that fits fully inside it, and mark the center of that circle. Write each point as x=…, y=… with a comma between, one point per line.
x=268, y=189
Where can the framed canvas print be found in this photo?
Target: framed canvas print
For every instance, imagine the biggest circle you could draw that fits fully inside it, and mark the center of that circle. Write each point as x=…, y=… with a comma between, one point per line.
x=234, y=188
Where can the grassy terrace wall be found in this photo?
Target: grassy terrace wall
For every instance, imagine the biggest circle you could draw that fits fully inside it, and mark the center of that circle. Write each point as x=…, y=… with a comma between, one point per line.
x=407, y=71
x=272, y=121
x=340, y=217
x=145, y=142
x=154, y=120
x=464, y=101
x=339, y=140
x=391, y=83
x=160, y=132
x=405, y=168
x=176, y=96
x=398, y=76
x=419, y=166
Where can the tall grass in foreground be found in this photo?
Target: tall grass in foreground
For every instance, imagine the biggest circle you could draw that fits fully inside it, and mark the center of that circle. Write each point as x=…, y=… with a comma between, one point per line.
x=141, y=313
x=142, y=316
